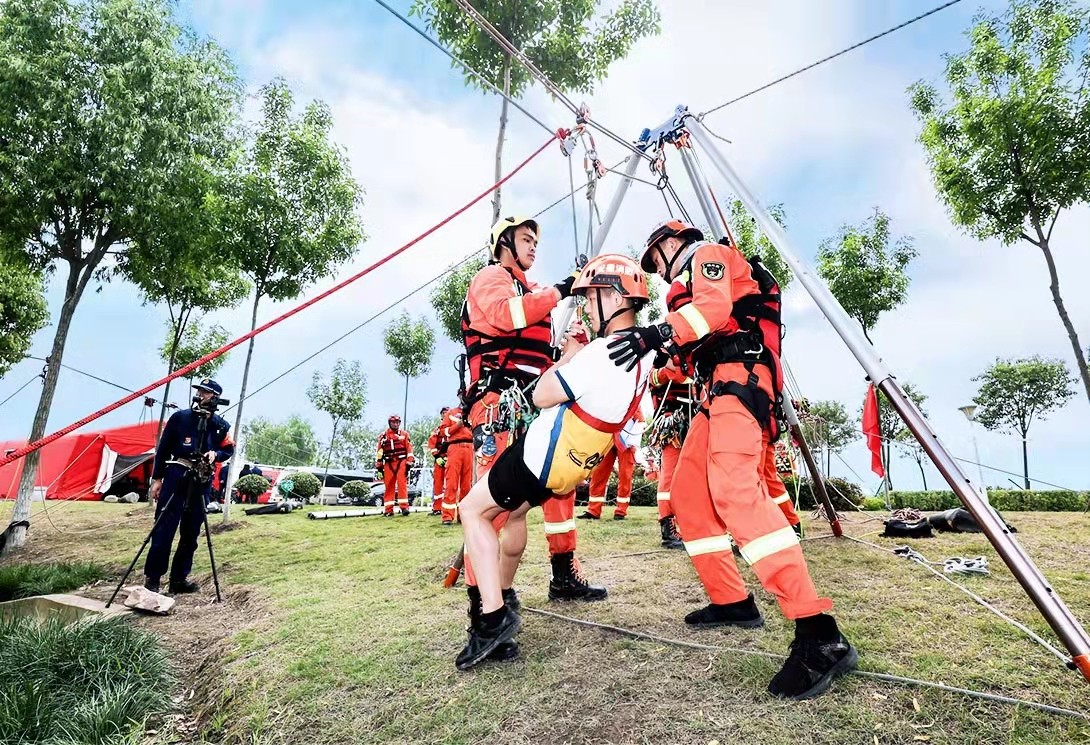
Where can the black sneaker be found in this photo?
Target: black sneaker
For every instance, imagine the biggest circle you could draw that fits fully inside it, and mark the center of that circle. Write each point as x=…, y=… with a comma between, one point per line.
x=567, y=582
x=433, y=513
x=507, y=651
x=151, y=583
x=182, y=586
x=744, y=614
x=484, y=639
x=587, y=516
x=818, y=655
x=618, y=517
x=404, y=513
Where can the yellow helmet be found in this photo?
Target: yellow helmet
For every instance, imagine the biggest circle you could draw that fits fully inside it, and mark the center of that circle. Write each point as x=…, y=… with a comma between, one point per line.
x=504, y=224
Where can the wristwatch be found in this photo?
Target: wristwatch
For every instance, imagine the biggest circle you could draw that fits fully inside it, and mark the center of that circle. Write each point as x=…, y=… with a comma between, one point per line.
x=666, y=331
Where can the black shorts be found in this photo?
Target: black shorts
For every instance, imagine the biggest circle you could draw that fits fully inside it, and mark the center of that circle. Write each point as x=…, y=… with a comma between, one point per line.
x=511, y=483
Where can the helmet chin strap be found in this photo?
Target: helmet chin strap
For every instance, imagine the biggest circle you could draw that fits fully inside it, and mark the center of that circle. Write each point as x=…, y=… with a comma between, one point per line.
x=683, y=254
x=603, y=323
x=515, y=255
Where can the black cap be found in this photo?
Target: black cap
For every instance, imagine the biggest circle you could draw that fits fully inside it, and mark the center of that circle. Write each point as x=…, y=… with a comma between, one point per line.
x=209, y=385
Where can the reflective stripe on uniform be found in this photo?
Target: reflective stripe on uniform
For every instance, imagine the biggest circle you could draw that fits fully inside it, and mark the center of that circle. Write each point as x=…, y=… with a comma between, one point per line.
x=518, y=312
x=708, y=545
x=662, y=496
x=695, y=319
x=623, y=500
x=448, y=506
x=782, y=498
x=766, y=545
x=557, y=528
x=597, y=499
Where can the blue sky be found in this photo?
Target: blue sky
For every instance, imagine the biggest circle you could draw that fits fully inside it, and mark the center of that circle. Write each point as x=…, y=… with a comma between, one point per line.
x=830, y=145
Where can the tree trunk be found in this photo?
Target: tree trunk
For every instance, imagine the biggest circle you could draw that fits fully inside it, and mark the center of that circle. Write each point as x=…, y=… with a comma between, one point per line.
x=405, y=409
x=1054, y=286
x=500, y=136
x=1025, y=464
x=328, y=457
x=923, y=474
x=246, y=369
x=179, y=329
x=78, y=276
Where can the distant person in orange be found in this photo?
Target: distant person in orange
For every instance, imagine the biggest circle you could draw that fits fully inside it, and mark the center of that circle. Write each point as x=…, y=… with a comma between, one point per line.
x=674, y=401
x=724, y=324
x=393, y=461
x=459, y=471
x=437, y=446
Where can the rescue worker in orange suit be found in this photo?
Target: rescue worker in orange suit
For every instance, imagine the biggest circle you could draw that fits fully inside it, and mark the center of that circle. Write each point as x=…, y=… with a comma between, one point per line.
x=507, y=330
x=394, y=459
x=459, y=471
x=624, y=456
x=673, y=399
x=776, y=488
x=723, y=323
x=437, y=446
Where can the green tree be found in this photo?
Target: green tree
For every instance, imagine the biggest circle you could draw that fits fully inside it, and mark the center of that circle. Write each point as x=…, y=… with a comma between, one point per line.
x=294, y=206
x=652, y=310
x=411, y=345
x=753, y=242
x=1011, y=152
x=343, y=397
x=863, y=272
x=181, y=263
x=1015, y=392
x=23, y=311
x=827, y=426
x=561, y=37
x=105, y=106
x=354, y=448
x=449, y=296
x=198, y=340
x=419, y=432
x=288, y=443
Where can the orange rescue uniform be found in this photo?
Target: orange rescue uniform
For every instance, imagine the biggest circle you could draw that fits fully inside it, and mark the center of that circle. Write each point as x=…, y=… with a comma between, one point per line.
x=395, y=456
x=459, y=472
x=671, y=392
x=438, y=447
x=718, y=485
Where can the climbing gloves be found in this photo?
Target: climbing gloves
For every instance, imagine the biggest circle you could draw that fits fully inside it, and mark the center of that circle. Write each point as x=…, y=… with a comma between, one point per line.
x=630, y=346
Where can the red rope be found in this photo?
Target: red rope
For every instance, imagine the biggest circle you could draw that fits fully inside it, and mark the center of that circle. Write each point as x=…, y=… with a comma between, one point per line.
x=38, y=444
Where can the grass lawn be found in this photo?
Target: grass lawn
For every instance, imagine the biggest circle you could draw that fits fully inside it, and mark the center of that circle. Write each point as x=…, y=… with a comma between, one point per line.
x=339, y=632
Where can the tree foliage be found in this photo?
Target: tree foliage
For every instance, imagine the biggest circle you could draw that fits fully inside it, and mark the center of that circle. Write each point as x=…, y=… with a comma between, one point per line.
x=863, y=272
x=293, y=204
x=450, y=294
x=410, y=344
x=1015, y=392
x=568, y=40
x=301, y=485
x=753, y=242
x=198, y=340
x=288, y=443
x=106, y=107
x=419, y=432
x=23, y=310
x=827, y=426
x=1011, y=151
x=354, y=447
x=892, y=428
x=252, y=486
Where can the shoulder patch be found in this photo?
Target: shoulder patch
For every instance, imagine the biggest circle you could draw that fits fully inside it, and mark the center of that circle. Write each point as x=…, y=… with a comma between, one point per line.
x=712, y=270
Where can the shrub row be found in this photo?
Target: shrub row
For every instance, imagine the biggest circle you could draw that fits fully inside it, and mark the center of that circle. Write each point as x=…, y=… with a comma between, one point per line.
x=1002, y=499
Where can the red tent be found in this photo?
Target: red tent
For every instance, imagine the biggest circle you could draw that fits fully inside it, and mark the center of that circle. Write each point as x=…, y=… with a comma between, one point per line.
x=84, y=465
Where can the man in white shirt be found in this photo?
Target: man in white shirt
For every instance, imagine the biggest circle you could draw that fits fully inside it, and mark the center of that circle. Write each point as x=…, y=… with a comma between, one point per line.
x=585, y=399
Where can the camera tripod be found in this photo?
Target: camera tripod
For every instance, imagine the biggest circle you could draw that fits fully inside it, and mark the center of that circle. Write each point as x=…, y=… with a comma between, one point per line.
x=192, y=490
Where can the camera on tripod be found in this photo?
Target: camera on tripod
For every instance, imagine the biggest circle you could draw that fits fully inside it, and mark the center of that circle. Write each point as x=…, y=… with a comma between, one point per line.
x=211, y=404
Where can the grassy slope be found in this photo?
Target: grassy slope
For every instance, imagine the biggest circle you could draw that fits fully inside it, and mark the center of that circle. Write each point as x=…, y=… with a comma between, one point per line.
x=361, y=638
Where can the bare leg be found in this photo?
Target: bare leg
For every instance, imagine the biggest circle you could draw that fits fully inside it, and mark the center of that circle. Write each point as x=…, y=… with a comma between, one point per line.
x=513, y=545
x=477, y=510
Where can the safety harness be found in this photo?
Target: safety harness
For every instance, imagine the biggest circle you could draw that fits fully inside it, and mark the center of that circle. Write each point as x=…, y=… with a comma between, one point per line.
x=496, y=363
x=754, y=340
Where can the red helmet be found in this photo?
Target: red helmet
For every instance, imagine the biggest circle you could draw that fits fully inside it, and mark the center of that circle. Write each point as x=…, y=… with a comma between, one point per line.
x=670, y=229
x=394, y=418
x=616, y=272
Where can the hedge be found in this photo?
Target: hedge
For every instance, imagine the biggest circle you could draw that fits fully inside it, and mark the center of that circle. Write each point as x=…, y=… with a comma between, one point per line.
x=252, y=486
x=1002, y=499
x=356, y=489
x=843, y=493
x=303, y=485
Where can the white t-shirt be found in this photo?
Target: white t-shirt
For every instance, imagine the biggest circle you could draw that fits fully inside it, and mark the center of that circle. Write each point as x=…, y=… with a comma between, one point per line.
x=566, y=442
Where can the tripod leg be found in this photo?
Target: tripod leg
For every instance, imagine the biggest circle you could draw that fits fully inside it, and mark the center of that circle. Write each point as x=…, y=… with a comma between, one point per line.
x=162, y=512
x=211, y=554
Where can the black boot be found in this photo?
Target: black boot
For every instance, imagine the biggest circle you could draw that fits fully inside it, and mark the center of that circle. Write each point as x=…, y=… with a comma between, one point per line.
x=568, y=584
x=818, y=654
x=619, y=517
x=744, y=613
x=151, y=583
x=183, y=585
x=485, y=636
x=587, y=516
x=507, y=651
x=670, y=537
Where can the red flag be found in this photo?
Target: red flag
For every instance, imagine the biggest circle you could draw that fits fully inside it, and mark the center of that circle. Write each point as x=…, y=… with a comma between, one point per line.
x=873, y=432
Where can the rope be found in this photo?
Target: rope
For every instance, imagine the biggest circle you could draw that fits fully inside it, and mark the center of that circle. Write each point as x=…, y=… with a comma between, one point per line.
x=823, y=60
x=86, y=374
x=908, y=553
x=465, y=66
x=633, y=634
x=19, y=390
x=31, y=447
x=574, y=220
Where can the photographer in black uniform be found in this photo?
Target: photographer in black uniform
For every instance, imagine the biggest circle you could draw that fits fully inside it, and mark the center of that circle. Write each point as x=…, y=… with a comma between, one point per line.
x=177, y=463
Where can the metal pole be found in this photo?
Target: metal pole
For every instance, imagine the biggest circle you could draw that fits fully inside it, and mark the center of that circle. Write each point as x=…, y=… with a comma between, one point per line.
x=566, y=309
x=1059, y=617
x=237, y=460
x=703, y=193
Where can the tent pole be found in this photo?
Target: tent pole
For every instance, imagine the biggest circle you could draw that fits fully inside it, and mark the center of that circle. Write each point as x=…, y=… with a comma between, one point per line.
x=1043, y=595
